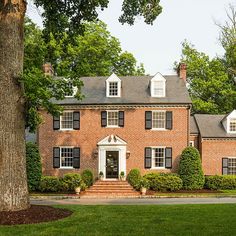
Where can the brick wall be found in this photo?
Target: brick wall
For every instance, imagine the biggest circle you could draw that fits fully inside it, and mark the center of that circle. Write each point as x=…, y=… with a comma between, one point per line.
x=212, y=153
x=133, y=133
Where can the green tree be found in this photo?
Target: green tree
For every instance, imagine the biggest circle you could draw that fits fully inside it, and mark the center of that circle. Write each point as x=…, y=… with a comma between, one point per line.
x=59, y=16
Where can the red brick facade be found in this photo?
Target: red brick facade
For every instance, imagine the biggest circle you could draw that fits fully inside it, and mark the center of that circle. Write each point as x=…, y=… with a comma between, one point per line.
x=133, y=133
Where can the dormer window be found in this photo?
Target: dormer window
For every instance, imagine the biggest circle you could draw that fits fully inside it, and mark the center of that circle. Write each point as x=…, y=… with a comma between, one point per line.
x=113, y=86
x=232, y=125
x=72, y=88
x=158, y=86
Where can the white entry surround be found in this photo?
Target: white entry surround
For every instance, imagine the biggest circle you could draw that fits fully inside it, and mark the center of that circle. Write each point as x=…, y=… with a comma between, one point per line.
x=111, y=143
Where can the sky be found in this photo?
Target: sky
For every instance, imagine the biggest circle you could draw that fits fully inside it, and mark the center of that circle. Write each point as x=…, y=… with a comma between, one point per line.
x=159, y=46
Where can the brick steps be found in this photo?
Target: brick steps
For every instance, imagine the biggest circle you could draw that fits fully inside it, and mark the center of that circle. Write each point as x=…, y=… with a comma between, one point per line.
x=110, y=189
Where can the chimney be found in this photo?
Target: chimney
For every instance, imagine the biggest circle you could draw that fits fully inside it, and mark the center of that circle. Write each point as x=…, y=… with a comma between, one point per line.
x=47, y=69
x=182, y=71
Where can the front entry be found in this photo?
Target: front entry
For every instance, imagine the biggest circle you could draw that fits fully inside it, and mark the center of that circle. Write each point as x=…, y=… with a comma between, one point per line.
x=112, y=164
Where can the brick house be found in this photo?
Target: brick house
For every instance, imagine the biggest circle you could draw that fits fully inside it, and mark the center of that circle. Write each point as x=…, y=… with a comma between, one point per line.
x=134, y=122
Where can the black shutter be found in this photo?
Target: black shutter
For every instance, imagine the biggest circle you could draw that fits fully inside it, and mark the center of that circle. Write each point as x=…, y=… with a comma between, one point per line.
x=148, y=120
x=148, y=158
x=76, y=120
x=56, y=157
x=121, y=118
x=169, y=120
x=56, y=122
x=168, y=157
x=76, y=157
x=104, y=118
x=225, y=166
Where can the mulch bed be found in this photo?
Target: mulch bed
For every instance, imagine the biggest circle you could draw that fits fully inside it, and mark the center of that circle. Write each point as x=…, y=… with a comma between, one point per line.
x=35, y=214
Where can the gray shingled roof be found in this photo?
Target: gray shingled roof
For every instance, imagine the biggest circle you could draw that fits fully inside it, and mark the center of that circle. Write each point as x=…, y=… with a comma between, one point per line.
x=135, y=90
x=193, y=126
x=210, y=126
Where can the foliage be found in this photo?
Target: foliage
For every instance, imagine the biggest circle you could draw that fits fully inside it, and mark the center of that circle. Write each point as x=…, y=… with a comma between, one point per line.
x=33, y=166
x=218, y=182
x=144, y=183
x=50, y=184
x=122, y=174
x=164, y=182
x=190, y=169
x=71, y=181
x=211, y=88
x=101, y=173
x=87, y=177
x=134, y=178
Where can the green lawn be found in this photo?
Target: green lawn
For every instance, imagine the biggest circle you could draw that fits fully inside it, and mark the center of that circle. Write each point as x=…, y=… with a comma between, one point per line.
x=137, y=220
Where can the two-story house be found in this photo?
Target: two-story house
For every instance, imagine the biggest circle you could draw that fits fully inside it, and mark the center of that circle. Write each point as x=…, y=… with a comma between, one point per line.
x=133, y=122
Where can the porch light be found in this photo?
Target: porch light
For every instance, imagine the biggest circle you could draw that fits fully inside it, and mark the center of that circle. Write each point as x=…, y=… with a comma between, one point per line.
x=95, y=153
x=127, y=154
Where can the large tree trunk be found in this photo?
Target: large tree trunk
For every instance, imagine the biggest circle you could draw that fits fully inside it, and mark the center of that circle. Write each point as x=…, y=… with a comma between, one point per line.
x=13, y=180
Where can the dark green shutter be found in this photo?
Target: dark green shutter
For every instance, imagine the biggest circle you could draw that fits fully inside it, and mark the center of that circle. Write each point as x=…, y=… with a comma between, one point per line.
x=56, y=122
x=148, y=120
x=169, y=122
x=76, y=120
x=168, y=158
x=56, y=157
x=121, y=118
x=76, y=157
x=103, y=118
x=148, y=158
x=225, y=166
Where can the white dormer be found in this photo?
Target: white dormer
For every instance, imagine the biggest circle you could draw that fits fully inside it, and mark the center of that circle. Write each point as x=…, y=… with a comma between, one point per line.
x=113, y=86
x=158, y=86
x=229, y=122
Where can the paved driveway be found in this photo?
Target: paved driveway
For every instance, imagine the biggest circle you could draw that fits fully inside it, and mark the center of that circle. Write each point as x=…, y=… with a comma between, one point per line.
x=135, y=201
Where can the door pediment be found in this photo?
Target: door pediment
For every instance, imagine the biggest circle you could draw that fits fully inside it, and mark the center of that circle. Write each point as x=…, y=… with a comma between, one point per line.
x=112, y=140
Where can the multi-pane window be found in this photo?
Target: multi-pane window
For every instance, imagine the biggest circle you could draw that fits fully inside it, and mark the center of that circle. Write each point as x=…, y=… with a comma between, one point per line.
x=158, y=157
x=67, y=120
x=158, y=119
x=232, y=166
x=66, y=157
x=158, y=88
x=232, y=125
x=191, y=143
x=71, y=92
x=112, y=118
x=113, y=88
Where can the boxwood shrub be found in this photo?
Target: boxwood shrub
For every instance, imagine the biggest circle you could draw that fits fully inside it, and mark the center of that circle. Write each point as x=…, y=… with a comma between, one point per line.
x=190, y=169
x=220, y=182
x=33, y=166
x=50, y=184
x=87, y=177
x=134, y=178
x=164, y=182
x=70, y=181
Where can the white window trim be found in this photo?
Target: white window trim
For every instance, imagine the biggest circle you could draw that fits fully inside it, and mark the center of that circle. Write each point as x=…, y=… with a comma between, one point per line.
x=228, y=162
x=159, y=129
x=113, y=78
x=65, y=167
x=112, y=126
x=64, y=129
x=159, y=168
x=191, y=143
x=73, y=88
x=158, y=78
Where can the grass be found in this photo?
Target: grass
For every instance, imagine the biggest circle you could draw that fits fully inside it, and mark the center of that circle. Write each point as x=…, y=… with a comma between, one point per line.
x=136, y=220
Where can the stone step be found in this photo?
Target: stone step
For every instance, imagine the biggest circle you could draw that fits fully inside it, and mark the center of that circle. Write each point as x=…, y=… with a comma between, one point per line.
x=111, y=190
x=111, y=183
x=111, y=187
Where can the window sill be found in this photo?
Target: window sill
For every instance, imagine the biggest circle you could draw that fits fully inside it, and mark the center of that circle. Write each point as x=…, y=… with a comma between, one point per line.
x=66, y=168
x=158, y=168
x=157, y=129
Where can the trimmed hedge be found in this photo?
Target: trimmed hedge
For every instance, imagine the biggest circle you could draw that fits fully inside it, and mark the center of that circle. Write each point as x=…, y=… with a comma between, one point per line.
x=87, y=177
x=50, y=184
x=190, y=169
x=33, y=166
x=134, y=178
x=220, y=182
x=70, y=181
x=164, y=182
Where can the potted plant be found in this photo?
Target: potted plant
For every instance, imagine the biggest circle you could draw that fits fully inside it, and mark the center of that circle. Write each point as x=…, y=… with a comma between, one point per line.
x=101, y=175
x=77, y=190
x=122, y=175
x=144, y=185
